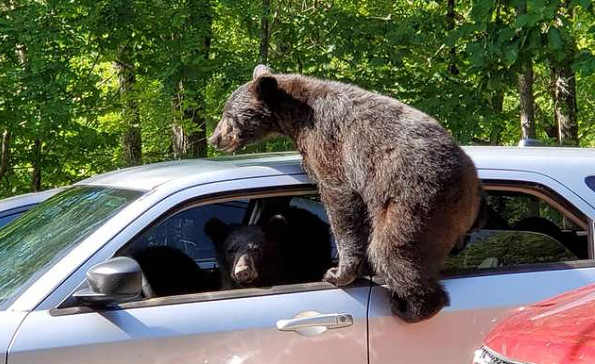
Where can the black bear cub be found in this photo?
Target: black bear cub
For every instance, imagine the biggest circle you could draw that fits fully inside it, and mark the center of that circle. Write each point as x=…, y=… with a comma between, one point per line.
x=290, y=246
x=169, y=271
x=397, y=189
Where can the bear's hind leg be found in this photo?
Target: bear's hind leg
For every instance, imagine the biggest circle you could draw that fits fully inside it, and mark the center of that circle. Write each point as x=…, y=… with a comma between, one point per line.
x=415, y=295
x=411, y=277
x=348, y=218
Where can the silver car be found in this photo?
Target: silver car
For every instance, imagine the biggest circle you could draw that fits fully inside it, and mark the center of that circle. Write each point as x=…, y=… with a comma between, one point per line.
x=13, y=207
x=67, y=296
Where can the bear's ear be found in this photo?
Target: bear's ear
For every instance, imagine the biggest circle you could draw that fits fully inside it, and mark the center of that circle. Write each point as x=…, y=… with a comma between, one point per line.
x=276, y=226
x=266, y=87
x=261, y=70
x=217, y=230
x=265, y=83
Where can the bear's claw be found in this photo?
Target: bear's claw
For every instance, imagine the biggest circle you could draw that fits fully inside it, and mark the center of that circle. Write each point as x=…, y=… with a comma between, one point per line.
x=338, y=277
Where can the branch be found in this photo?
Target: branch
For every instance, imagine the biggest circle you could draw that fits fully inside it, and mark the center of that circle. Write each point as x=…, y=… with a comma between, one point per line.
x=5, y=153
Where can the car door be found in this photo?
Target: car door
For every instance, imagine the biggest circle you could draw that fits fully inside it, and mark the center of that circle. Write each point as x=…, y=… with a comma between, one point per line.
x=10, y=323
x=299, y=323
x=533, y=269
x=186, y=330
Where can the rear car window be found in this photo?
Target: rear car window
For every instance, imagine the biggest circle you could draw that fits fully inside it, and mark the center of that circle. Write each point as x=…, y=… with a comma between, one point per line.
x=497, y=249
x=521, y=229
x=590, y=181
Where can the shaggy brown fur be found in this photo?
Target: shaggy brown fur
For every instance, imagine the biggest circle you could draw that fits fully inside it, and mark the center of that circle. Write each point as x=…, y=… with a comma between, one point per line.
x=394, y=183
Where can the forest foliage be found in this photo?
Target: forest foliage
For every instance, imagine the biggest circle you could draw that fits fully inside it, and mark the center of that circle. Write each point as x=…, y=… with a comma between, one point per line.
x=88, y=86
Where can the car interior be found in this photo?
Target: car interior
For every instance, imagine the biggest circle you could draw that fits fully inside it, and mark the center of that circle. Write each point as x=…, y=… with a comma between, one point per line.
x=523, y=228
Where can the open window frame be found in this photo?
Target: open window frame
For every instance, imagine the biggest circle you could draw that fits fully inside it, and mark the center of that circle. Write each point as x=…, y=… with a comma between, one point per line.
x=554, y=200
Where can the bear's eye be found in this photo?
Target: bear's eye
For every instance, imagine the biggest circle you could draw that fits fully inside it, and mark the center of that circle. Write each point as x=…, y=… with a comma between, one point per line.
x=231, y=250
x=235, y=121
x=257, y=250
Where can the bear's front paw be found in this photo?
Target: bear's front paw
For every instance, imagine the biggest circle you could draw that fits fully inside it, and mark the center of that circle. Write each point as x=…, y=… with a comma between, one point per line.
x=339, y=277
x=419, y=307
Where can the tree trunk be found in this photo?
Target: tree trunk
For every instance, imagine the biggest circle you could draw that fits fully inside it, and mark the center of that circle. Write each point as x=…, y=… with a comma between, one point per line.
x=194, y=143
x=6, y=136
x=564, y=85
x=497, y=103
x=179, y=141
x=264, y=32
x=36, y=163
x=21, y=52
x=5, y=153
x=565, y=109
x=527, y=101
x=263, y=54
x=198, y=139
x=179, y=137
x=450, y=25
x=131, y=139
x=525, y=84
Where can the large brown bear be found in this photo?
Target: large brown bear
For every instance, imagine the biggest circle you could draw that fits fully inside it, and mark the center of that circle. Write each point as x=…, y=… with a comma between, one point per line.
x=394, y=183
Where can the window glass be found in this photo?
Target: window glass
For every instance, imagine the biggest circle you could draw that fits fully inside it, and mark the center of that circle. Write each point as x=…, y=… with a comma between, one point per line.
x=29, y=245
x=497, y=248
x=590, y=181
x=513, y=207
x=520, y=229
x=185, y=230
x=6, y=219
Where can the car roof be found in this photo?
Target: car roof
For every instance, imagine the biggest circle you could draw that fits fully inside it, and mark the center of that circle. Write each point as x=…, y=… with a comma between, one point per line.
x=202, y=170
x=551, y=161
x=558, y=163
x=27, y=199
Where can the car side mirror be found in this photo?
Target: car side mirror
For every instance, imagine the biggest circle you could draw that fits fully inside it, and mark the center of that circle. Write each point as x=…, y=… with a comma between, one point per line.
x=113, y=281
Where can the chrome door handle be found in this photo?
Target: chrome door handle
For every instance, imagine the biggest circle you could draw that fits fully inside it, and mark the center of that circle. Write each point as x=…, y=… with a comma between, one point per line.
x=312, y=323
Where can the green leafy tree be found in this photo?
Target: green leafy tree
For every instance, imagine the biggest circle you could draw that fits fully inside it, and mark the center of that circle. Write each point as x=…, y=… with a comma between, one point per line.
x=89, y=86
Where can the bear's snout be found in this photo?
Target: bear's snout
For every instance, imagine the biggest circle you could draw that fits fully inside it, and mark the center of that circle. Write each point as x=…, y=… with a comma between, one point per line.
x=224, y=138
x=244, y=270
x=215, y=139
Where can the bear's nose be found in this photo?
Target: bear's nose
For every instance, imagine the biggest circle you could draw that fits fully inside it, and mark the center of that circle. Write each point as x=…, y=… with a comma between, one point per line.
x=244, y=271
x=215, y=139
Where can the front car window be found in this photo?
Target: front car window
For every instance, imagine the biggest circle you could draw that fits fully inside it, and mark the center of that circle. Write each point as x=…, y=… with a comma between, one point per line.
x=185, y=230
x=32, y=243
x=178, y=255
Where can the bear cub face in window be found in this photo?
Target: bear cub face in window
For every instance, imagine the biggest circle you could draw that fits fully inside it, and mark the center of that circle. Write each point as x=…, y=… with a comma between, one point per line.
x=290, y=245
x=248, y=255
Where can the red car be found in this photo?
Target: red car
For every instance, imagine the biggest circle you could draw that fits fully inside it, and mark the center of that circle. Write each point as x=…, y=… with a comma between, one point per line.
x=560, y=330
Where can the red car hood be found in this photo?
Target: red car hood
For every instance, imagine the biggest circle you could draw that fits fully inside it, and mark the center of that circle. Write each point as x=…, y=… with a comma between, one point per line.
x=560, y=330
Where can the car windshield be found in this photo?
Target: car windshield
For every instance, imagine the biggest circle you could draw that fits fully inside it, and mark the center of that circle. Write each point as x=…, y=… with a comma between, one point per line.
x=32, y=243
